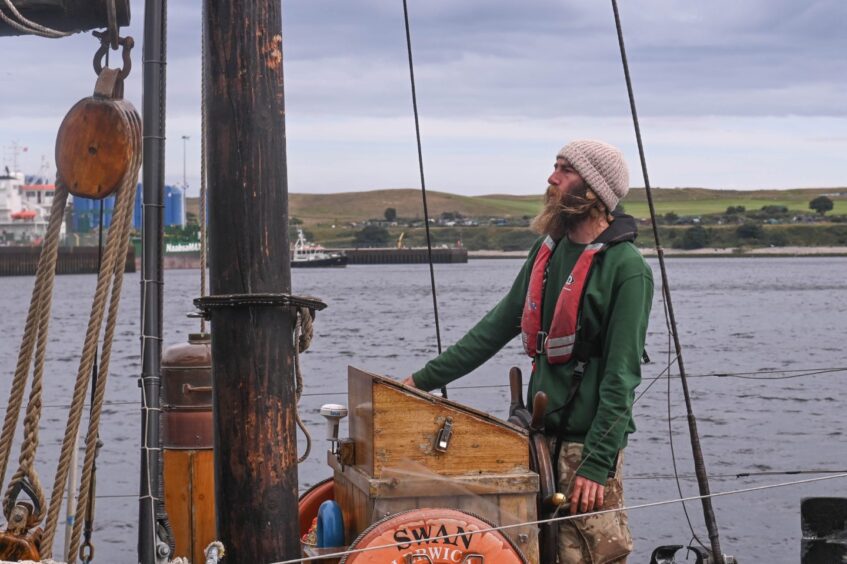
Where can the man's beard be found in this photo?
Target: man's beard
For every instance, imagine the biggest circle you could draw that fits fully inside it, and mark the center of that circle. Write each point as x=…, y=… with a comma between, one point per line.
x=560, y=214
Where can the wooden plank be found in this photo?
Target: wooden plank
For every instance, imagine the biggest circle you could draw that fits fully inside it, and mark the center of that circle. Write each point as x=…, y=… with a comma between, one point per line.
x=400, y=485
x=360, y=396
x=485, y=506
x=362, y=510
x=202, y=502
x=406, y=425
x=427, y=397
x=177, y=476
x=345, y=500
x=520, y=509
x=383, y=507
x=446, y=501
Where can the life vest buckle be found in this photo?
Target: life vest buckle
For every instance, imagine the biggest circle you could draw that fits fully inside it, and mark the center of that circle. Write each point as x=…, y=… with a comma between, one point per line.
x=541, y=343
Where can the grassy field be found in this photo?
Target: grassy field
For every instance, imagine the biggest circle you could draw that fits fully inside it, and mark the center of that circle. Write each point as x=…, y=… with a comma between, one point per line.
x=698, y=201
x=347, y=207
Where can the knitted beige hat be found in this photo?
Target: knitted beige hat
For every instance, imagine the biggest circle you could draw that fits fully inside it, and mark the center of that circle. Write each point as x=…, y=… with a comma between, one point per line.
x=601, y=166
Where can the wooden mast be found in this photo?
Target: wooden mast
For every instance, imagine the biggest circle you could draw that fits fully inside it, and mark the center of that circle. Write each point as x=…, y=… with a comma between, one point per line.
x=252, y=348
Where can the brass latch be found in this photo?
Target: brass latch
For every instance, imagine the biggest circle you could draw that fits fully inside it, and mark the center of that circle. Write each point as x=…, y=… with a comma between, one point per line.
x=442, y=439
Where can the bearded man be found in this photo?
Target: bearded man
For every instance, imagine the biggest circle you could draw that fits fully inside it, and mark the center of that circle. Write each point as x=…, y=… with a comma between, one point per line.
x=581, y=304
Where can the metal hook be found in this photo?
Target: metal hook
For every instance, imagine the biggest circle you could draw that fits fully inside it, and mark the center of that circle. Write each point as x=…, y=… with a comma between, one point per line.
x=25, y=486
x=86, y=552
x=106, y=42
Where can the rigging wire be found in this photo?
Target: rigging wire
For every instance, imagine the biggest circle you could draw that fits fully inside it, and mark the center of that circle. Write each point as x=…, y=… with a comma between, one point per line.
x=203, y=188
x=739, y=375
x=573, y=517
x=699, y=463
x=670, y=437
x=423, y=182
x=27, y=26
x=739, y=476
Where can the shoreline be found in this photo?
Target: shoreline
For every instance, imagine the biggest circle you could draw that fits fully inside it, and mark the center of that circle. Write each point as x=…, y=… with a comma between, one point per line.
x=706, y=252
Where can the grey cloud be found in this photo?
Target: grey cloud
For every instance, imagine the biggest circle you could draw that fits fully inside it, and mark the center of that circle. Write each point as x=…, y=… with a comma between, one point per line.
x=532, y=58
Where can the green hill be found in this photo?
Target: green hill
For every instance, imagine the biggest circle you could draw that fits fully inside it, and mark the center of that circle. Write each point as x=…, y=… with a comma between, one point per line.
x=348, y=207
x=334, y=219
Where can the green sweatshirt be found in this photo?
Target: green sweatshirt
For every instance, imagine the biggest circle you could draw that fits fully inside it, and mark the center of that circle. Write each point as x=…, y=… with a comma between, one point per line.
x=617, y=305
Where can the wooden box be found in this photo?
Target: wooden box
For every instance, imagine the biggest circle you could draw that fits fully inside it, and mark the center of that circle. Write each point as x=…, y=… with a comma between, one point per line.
x=484, y=469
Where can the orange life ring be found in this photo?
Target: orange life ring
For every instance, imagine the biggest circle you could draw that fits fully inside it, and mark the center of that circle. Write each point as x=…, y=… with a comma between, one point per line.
x=311, y=500
x=417, y=533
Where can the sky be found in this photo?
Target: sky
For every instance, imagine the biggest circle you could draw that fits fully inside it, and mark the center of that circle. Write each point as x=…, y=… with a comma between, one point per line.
x=742, y=94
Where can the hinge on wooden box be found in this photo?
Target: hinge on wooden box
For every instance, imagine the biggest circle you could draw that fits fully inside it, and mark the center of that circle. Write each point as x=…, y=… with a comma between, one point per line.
x=346, y=452
x=442, y=439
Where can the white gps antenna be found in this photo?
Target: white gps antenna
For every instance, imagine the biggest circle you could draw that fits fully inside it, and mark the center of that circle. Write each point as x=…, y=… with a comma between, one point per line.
x=334, y=413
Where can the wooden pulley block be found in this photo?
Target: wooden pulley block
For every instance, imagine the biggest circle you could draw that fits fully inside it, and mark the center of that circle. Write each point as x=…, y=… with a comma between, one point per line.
x=98, y=140
x=16, y=543
x=14, y=548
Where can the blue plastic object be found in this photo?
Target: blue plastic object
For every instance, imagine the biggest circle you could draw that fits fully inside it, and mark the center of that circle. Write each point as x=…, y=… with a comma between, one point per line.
x=330, y=525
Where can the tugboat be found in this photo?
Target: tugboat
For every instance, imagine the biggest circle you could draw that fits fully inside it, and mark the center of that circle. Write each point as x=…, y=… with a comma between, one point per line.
x=307, y=255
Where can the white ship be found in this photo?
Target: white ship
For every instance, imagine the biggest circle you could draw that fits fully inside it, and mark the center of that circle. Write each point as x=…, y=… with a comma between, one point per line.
x=24, y=209
x=309, y=255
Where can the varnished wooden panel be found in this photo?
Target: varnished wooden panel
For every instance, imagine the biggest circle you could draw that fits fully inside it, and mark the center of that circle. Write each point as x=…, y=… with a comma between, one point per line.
x=362, y=509
x=383, y=507
x=360, y=396
x=177, y=472
x=190, y=500
x=405, y=427
x=402, y=484
x=520, y=509
x=344, y=499
x=203, y=502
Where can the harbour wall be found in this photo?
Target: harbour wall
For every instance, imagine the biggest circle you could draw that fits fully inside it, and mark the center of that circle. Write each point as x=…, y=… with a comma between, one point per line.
x=23, y=261
x=354, y=256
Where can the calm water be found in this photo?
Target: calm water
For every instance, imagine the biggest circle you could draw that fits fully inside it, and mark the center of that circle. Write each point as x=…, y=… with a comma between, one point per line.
x=735, y=315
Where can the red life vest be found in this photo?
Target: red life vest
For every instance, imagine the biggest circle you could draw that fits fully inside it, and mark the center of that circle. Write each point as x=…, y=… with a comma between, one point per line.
x=558, y=343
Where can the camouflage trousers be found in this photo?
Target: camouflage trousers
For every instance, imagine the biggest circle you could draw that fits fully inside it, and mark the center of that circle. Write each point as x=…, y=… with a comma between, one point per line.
x=595, y=539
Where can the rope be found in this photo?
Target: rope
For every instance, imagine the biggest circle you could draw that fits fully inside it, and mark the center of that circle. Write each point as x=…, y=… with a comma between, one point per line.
x=423, y=183
x=24, y=25
x=303, y=333
x=570, y=517
x=86, y=552
x=35, y=337
x=109, y=278
x=699, y=462
x=119, y=237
